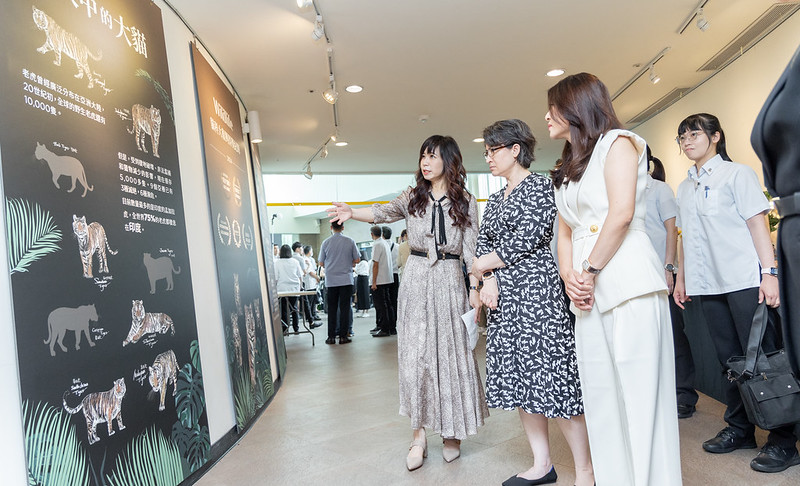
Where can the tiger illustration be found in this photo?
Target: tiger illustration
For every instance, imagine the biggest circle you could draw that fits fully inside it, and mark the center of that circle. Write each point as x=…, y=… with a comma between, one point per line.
x=61, y=42
x=250, y=324
x=146, y=323
x=63, y=165
x=146, y=121
x=91, y=240
x=101, y=407
x=164, y=371
x=237, y=338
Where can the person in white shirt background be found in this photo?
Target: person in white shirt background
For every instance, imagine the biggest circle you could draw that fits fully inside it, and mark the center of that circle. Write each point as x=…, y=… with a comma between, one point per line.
x=660, y=222
x=394, y=252
x=290, y=277
x=310, y=282
x=362, y=286
x=382, y=281
x=725, y=240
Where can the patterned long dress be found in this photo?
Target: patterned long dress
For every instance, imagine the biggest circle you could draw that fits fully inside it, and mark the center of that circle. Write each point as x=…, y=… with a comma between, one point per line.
x=530, y=343
x=440, y=386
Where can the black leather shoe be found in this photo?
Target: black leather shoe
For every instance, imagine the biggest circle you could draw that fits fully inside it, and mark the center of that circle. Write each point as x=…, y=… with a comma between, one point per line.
x=374, y=330
x=330, y=341
x=345, y=340
x=685, y=410
x=550, y=477
x=727, y=440
x=381, y=334
x=773, y=458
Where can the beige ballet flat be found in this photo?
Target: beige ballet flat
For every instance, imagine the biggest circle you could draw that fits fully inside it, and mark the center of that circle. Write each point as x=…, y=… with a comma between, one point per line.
x=451, y=450
x=415, y=459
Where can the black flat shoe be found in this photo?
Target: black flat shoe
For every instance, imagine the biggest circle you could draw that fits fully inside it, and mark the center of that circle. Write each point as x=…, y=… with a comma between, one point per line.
x=550, y=477
x=345, y=340
x=727, y=440
x=381, y=334
x=773, y=458
x=330, y=341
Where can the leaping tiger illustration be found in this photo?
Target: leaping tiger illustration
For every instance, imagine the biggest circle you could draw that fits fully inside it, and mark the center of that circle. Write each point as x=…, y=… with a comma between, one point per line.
x=61, y=42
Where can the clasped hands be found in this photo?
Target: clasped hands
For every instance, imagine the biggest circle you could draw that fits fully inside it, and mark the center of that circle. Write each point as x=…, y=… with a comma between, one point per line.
x=580, y=288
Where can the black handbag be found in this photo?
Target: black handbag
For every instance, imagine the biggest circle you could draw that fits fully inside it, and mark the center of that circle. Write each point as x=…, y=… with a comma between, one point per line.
x=769, y=389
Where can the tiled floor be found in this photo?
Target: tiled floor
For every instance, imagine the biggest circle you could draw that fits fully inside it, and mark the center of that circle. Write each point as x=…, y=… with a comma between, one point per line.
x=335, y=422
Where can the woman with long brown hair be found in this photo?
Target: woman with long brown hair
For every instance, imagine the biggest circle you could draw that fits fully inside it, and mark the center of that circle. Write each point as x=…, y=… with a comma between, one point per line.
x=440, y=386
x=616, y=283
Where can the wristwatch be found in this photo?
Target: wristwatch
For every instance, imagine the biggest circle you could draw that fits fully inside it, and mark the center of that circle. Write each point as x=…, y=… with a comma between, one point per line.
x=671, y=268
x=589, y=268
x=770, y=271
x=488, y=275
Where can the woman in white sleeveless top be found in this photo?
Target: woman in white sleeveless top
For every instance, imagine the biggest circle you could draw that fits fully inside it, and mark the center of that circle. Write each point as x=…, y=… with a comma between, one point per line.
x=616, y=283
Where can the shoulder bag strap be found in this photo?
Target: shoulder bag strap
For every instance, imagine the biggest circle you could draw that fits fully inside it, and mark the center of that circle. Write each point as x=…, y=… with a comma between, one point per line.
x=755, y=355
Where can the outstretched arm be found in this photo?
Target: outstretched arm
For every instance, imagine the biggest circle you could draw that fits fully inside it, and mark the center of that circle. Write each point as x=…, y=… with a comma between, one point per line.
x=341, y=212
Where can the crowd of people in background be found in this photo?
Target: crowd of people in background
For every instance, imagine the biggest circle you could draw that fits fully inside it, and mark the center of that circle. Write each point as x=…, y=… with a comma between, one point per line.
x=589, y=332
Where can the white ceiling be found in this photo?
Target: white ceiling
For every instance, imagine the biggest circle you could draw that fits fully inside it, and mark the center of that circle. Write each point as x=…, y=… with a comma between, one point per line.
x=465, y=63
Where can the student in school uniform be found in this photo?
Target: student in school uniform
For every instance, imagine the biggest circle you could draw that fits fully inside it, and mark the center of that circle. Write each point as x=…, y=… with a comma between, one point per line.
x=728, y=265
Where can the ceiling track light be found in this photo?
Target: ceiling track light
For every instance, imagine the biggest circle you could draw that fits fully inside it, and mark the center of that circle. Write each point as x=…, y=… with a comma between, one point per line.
x=702, y=22
x=319, y=29
x=696, y=13
x=307, y=173
x=330, y=95
x=642, y=71
x=654, y=78
x=304, y=4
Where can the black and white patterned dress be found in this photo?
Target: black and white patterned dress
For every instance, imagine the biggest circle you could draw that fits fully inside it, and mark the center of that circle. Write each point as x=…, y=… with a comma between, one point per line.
x=530, y=346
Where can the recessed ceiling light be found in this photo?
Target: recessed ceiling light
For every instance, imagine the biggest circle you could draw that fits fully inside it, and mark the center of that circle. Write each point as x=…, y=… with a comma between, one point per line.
x=341, y=144
x=477, y=140
x=354, y=88
x=555, y=72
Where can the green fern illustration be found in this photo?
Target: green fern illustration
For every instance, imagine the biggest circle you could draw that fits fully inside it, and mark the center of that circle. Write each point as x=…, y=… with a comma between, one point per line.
x=32, y=234
x=159, y=89
x=54, y=453
x=150, y=459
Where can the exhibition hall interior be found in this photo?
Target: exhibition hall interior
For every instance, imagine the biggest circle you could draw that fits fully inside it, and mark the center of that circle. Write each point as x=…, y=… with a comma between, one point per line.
x=162, y=160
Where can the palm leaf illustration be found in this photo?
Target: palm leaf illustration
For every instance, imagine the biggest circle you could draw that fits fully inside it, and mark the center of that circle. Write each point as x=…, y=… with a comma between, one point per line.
x=150, y=459
x=54, y=452
x=159, y=89
x=32, y=234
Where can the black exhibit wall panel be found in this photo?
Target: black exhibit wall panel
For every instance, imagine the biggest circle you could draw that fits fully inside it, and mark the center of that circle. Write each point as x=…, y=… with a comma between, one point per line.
x=234, y=232
x=106, y=334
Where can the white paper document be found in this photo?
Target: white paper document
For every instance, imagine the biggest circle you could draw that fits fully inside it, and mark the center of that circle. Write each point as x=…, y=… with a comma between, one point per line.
x=472, y=327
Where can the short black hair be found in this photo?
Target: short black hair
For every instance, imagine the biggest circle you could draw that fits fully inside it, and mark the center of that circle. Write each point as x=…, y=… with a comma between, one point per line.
x=404, y=233
x=296, y=245
x=285, y=252
x=387, y=232
x=376, y=231
x=307, y=249
x=337, y=226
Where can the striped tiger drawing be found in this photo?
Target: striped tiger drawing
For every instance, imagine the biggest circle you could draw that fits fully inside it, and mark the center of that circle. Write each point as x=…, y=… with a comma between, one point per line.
x=91, y=240
x=147, y=322
x=146, y=121
x=237, y=339
x=61, y=42
x=164, y=371
x=101, y=407
x=250, y=324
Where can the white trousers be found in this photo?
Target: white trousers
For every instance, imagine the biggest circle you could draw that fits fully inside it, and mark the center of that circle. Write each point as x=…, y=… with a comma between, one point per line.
x=627, y=367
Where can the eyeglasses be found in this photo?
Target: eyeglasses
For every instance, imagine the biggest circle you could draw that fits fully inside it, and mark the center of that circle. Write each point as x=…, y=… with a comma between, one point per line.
x=688, y=137
x=489, y=153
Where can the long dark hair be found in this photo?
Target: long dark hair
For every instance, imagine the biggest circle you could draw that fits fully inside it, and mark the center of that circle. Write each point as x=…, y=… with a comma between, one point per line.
x=709, y=124
x=582, y=100
x=453, y=172
x=658, y=172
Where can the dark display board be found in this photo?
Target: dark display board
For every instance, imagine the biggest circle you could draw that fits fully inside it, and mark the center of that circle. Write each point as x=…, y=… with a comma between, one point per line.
x=272, y=279
x=235, y=236
x=103, y=309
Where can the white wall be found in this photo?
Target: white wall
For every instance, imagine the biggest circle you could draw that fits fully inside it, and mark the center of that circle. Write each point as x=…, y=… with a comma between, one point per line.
x=735, y=95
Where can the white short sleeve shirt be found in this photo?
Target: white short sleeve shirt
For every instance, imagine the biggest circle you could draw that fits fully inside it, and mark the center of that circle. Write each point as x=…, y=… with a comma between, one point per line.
x=661, y=206
x=382, y=255
x=714, y=205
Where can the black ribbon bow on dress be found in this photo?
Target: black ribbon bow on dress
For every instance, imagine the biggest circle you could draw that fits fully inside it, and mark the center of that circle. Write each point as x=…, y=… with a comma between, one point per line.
x=441, y=239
